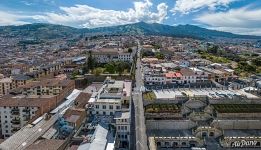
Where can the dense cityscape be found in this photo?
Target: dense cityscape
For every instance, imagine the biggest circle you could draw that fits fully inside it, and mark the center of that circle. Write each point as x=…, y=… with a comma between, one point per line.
x=134, y=86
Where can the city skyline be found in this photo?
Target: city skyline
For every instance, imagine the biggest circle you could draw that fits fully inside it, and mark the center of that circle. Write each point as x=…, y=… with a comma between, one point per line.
x=236, y=16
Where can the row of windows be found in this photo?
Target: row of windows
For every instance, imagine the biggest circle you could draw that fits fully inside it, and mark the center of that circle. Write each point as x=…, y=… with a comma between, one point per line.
x=122, y=127
x=104, y=113
x=105, y=107
x=122, y=136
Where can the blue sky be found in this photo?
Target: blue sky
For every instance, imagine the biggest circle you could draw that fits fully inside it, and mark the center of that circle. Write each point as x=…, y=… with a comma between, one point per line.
x=237, y=16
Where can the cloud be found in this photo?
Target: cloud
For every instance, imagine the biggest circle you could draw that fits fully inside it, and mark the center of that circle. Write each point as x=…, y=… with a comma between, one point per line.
x=243, y=20
x=8, y=18
x=26, y=3
x=187, y=6
x=87, y=16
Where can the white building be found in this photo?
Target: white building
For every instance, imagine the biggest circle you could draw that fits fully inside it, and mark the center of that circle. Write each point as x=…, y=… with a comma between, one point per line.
x=106, y=55
x=123, y=121
x=113, y=99
x=14, y=118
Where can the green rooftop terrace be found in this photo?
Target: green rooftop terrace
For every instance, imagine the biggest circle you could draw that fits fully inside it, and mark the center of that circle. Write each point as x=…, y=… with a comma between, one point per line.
x=237, y=108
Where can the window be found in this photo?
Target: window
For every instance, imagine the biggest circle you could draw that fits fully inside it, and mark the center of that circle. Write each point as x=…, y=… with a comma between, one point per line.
x=97, y=106
x=118, y=107
x=104, y=113
x=111, y=107
x=111, y=113
x=6, y=126
x=6, y=131
x=103, y=106
x=119, y=127
x=125, y=136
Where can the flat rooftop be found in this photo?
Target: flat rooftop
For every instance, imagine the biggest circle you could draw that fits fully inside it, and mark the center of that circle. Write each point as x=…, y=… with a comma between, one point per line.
x=122, y=115
x=170, y=133
x=242, y=133
x=210, y=93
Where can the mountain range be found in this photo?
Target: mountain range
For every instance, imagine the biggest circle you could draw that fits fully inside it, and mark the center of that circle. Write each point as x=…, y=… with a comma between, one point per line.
x=51, y=31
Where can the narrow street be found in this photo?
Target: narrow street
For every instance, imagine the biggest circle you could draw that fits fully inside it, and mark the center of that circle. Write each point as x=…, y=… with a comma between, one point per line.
x=140, y=128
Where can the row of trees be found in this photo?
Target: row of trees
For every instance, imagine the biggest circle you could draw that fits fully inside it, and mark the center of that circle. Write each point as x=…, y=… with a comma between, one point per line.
x=247, y=62
x=117, y=67
x=158, y=55
x=111, y=67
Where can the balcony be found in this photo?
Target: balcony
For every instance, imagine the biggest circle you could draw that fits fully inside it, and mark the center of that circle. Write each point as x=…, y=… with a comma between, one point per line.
x=15, y=129
x=16, y=121
x=15, y=111
x=26, y=110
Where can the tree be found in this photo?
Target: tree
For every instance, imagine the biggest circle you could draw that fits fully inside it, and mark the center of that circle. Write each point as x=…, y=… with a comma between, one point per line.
x=120, y=68
x=159, y=55
x=91, y=61
x=110, y=67
x=147, y=54
x=257, y=61
x=98, y=71
x=213, y=49
x=130, y=50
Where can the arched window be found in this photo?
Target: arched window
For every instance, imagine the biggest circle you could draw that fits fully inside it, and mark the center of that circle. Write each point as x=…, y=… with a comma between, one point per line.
x=175, y=144
x=158, y=144
x=211, y=134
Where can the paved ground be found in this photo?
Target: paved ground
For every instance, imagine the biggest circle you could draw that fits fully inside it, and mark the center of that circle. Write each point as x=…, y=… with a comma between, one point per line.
x=140, y=128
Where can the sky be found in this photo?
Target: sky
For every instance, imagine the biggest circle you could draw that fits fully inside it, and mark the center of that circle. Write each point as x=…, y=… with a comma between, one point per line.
x=236, y=16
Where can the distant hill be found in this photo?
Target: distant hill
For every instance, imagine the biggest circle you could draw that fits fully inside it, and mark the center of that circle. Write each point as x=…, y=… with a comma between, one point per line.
x=39, y=31
x=50, y=31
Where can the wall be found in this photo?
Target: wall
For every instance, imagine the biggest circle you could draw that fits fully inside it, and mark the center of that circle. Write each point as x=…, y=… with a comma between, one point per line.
x=169, y=124
x=237, y=124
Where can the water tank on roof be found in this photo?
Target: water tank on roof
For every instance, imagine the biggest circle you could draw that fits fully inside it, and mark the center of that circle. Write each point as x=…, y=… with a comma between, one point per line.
x=66, y=129
x=62, y=122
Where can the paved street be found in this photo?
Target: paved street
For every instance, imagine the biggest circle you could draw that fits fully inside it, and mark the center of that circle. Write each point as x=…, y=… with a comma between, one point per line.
x=140, y=128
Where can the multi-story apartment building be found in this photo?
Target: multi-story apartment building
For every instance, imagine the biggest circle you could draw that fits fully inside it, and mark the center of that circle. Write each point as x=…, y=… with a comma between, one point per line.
x=6, y=84
x=113, y=99
x=20, y=80
x=122, y=122
x=17, y=110
x=45, y=87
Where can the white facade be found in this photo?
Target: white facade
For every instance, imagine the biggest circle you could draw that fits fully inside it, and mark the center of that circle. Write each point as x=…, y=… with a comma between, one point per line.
x=107, y=57
x=123, y=121
x=14, y=118
x=113, y=99
x=155, y=79
x=106, y=107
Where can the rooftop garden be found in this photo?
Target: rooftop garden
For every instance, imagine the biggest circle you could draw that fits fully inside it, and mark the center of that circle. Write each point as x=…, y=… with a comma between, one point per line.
x=237, y=108
x=162, y=108
x=149, y=96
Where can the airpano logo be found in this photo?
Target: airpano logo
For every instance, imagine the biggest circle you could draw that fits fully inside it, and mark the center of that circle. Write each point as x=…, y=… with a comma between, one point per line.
x=244, y=143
